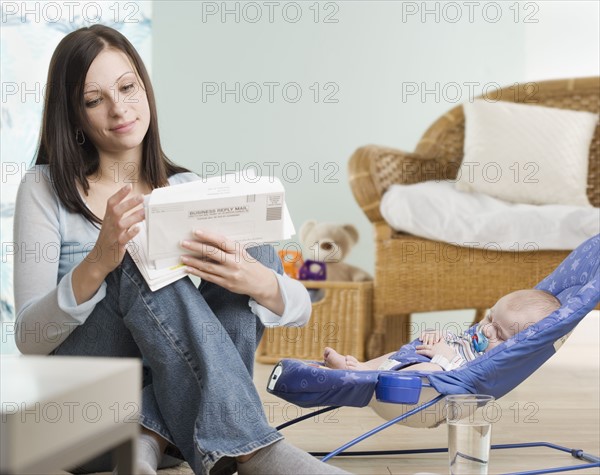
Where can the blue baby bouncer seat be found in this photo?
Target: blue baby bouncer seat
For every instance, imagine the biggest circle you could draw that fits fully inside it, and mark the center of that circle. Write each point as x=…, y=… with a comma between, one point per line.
x=576, y=284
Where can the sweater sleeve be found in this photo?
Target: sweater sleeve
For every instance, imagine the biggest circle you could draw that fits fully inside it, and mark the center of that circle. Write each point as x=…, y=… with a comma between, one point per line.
x=296, y=300
x=46, y=310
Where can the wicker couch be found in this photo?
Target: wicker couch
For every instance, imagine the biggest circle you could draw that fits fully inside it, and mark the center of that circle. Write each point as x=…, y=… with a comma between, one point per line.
x=419, y=275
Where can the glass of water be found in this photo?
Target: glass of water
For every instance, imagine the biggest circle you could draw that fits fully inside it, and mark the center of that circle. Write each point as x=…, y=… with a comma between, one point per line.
x=469, y=418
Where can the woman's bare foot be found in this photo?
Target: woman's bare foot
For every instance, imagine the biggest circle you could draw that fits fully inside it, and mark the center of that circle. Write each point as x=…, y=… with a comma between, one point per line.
x=336, y=361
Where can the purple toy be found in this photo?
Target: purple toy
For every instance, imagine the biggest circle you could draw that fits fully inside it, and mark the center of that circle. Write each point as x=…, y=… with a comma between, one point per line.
x=312, y=270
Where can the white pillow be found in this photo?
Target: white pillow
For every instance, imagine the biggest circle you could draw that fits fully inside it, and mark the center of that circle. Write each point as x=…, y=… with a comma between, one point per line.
x=438, y=211
x=526, y=153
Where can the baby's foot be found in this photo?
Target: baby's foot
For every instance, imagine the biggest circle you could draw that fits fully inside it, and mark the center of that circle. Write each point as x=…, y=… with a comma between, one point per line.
x=336, y=361
x=333, y=359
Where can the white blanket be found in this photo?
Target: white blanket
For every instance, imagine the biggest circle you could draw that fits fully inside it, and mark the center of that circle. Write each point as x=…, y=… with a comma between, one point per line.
x=436, y=210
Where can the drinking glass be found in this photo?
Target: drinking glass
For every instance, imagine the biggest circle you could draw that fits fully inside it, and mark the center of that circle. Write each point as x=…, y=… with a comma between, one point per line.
x=469, y=418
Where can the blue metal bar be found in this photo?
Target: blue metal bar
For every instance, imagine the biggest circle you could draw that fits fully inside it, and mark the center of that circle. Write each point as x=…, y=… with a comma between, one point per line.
x=577, y=453
x=306, y=416
x=589, y=457
x=566, y=468
x=382, y=426
x=574, y=452
x=364, y=453
x=532, y=444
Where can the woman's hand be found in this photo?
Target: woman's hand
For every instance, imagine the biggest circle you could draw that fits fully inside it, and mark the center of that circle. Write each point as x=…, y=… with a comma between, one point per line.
x=118, y=228
x=116, y=231
x=227, y=264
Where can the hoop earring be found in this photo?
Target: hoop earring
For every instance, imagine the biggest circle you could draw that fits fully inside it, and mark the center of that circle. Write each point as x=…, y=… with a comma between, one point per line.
x=79, y=137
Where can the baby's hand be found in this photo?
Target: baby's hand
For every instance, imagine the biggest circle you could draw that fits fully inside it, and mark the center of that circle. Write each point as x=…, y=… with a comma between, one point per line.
x=431, y=337
x=440, y=348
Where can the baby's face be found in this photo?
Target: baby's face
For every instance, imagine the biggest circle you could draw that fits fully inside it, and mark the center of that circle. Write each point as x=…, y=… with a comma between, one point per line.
x=502, y=323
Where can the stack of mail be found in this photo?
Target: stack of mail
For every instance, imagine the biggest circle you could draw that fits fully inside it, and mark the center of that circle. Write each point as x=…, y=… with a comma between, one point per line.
x=156, y=278
x=245, y=209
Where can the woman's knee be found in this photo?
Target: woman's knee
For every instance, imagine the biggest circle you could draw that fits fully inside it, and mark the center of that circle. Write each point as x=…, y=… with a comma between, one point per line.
x=266, y=255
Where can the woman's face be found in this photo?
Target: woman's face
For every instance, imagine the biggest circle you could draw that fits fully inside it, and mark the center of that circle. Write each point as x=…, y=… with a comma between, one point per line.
x=115, y=103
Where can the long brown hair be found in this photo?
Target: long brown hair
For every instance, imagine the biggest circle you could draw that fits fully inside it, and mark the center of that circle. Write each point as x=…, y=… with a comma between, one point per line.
x=64, y=113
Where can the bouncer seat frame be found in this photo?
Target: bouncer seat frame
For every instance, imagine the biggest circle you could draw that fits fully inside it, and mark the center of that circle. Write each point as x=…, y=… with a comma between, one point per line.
x=576, y=284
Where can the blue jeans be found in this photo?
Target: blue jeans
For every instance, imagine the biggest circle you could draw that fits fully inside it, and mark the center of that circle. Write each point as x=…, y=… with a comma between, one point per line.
x=198, y=348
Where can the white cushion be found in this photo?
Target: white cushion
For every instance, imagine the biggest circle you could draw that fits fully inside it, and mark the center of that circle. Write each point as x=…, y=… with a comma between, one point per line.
x=436, y=210
x=526, y=153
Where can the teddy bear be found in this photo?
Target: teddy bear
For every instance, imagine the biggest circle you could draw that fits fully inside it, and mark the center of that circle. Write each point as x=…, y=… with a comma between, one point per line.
x=331, y=243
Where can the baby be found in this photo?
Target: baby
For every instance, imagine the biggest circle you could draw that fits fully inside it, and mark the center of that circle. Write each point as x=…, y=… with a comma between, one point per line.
x=510, y=315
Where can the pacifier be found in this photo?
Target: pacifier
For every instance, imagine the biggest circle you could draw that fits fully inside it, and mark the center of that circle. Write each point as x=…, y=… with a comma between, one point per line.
x=480, y=341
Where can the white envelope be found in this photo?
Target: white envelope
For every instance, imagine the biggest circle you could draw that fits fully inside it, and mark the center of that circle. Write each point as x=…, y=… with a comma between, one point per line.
x=246, y=210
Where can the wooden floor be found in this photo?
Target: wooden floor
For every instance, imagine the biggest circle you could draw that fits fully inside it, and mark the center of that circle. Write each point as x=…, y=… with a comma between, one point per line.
x=560, y=403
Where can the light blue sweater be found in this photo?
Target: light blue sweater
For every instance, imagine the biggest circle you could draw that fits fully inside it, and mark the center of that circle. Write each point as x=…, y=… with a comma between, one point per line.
x=50, y=242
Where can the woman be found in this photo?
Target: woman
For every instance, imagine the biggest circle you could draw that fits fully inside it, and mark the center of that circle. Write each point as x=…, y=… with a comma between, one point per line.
x=99, y=154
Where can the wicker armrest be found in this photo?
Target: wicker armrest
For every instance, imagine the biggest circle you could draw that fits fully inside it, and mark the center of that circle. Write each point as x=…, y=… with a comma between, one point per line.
x=372, y=169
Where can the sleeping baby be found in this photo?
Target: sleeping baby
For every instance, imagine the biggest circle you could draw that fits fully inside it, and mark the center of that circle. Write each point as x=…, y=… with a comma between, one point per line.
x=511, y=314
